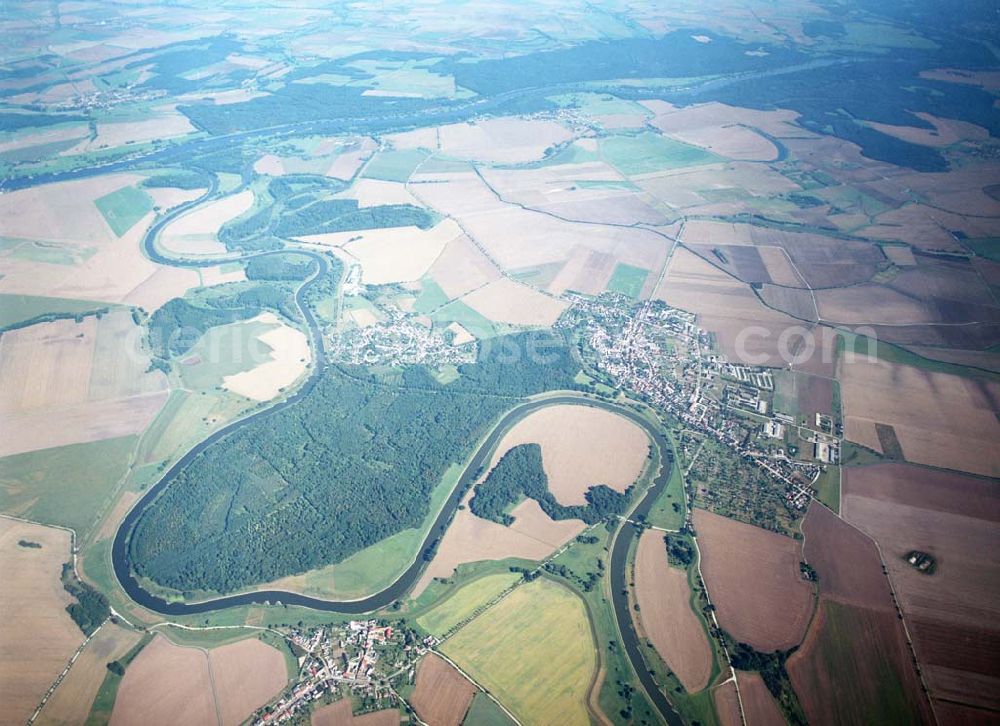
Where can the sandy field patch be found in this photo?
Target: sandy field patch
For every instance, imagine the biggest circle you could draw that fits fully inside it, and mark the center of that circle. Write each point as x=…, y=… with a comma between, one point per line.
x=471, y=539
x=990, y=80
x=753, y=576
x=392, y=254
x=168, y=197
x=165, y=684
x=363, y=317
x=759, y=705
x=71, y=702
x=462, y=267
x=197, y=232
x=663, y=595
x=116, y=515
x=39, y=137
x=246, y=675
x=37, y=636
x=506, y=301
x=269, y=164
x=727, y=704
x=373, y=192
x=575, y=442
x=952, y=614
x=502, y=140
x=585, y=271
x=899, y=255
x=335, y=714
x=290, y=356
x=443, y=695
x=945, y=132
x=76, y=374
x=939, y=419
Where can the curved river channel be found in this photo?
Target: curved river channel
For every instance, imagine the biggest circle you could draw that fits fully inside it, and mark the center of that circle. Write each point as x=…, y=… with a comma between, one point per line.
x=620, y=544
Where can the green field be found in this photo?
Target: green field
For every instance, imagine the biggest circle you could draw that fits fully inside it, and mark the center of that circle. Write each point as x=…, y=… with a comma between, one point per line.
x=988, y=247
x=464, y=602
x=19, y=308
x=484, y=712
x=224, y=351
x=123, y=208
x=394, y=166
x=431, y=297
x=648, y=152
x=458, y=312
x=534, y=651
x=828, y=488
x=599, y=104
x=66, y=485
x=627, y=280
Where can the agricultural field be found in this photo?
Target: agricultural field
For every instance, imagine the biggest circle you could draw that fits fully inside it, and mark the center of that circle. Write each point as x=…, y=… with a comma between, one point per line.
x=752, y=573
x=93, y=375
x=950, y=613
x=33, y=602
x=167, y=682
x=665, y=613
x=939, y=419
x=72, y=700
x=123, y=208
x=573, y=440
x=534, y=651
x=443, y=695
x=197, y=232
x=461, y=605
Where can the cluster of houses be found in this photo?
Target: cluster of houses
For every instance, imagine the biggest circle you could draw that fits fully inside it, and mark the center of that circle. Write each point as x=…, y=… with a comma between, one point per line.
x=338, y=661
x=659, y=354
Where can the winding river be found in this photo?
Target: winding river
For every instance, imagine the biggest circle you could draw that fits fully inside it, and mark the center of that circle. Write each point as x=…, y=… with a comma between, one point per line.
x=620, y=543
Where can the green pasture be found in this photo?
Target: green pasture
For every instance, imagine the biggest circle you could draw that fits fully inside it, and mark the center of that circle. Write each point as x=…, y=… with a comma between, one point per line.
x=123, y=208
x=627, y=280
x=648, y=152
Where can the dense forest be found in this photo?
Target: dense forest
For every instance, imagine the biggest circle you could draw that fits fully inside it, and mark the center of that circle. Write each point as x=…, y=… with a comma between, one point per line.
x=519, y=473
x=279, y=267
x=350, y=464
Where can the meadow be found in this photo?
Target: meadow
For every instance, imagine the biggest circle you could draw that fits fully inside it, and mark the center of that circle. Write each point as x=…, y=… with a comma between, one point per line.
x=646, y=153
x=534, y=650
x=122, y=209
x=460, y=605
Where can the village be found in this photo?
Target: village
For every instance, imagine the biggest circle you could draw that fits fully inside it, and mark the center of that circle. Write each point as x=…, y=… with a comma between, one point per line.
x=659, y=354
x=361, y=660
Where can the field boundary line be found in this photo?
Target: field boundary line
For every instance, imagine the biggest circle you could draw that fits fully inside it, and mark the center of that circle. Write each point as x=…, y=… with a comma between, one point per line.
x=65, y=672
x=473, y=681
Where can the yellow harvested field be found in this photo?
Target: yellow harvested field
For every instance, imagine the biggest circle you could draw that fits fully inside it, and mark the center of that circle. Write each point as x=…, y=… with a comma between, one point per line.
x=290, y=356
x=575, y=442
x=751, y=574
x=71, y=702
x=373, y=192
x=37, y=636
x=197, y=231
x=507, y=301
x=392, y=254
x=471, y=539
x=939, y=419
x=90, y=377
x=502, y=140
x=245, y=675
x=269, y=164
x=165, y=684
x=531, y=521
x=462, y=267
x=168, y=197
x=663, y=596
